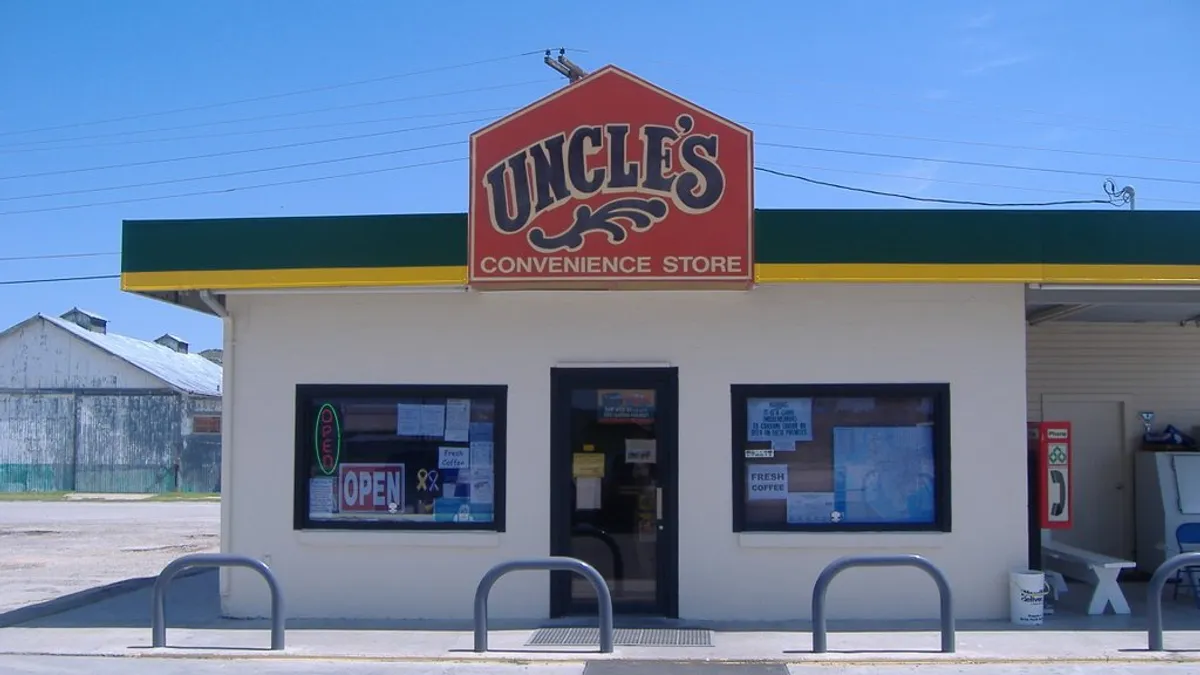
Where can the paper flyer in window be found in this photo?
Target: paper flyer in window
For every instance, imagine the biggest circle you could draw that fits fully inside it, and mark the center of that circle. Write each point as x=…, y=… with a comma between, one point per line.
x=454, y=458
x=433, y=420
x=641, y=451
x=481, y=453
x=458, y=420
x=481, y=489
x=780, y=422
x=321, y=497
x=587, y=493
x=805, y=508
x=408, y=419
x=766, y=481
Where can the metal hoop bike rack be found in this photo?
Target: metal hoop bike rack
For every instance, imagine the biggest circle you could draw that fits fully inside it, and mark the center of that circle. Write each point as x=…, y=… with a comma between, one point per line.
x=819, y=630
x=550, y=564
x=1154, y=619
x=158, y=619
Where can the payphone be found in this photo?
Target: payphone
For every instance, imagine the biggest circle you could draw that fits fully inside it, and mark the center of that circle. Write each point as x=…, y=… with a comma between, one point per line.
x=1050, y=454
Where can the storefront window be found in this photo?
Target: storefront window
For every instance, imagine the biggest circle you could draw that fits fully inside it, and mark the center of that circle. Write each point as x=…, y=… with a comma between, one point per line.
x=856, y=457
x=400, y=457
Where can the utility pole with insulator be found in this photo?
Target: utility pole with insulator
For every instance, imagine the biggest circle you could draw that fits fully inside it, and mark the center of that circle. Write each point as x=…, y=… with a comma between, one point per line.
x=564, y=66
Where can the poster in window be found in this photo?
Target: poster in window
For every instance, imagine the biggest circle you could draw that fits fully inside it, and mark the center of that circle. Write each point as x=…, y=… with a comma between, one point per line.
x=458, y=420
x=433, y=420
x=884, y=474
x=782, y=422
x=408, y=419
x=371, y=488
x=617, y=406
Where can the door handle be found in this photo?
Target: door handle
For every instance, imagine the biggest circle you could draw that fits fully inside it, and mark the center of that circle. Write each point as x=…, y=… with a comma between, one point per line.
x=658, y=502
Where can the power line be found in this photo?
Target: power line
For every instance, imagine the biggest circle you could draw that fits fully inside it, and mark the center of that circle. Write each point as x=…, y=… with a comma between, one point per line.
x=228, y=153
x=198, y=193
x=54, y=280
x=982, y=144
x=59, y=256
x=266, y=97
x=1115, y=201
x=290, y=113
x=964, y=162
x=949, y=181
x=997, y=112
x=245, y=172
x=250, y=132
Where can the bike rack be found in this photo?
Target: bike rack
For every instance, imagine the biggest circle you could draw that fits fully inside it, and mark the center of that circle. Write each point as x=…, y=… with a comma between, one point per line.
x=158, y=619
x=1154, y=593
x=551, y=564
x=819, y=630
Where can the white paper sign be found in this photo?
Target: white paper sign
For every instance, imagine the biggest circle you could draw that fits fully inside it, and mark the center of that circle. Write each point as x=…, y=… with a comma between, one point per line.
x=481, y=490
x=641, y=451
x=810, y=507
x=481, y=453
x=587, y=493
x=320, y=497
x=433, y=420
x=458, y=420
x=454, y=458
x=408, y=419
x=782, y=422
x=766, y=481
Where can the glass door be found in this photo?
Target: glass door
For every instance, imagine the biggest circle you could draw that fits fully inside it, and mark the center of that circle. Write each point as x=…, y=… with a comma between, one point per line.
x=613, y=449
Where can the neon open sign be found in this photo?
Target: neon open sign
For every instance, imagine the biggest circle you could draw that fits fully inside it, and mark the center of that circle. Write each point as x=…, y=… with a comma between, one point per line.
x=328, y=439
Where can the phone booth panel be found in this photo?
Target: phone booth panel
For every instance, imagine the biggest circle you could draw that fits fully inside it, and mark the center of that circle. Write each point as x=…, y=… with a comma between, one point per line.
x=1050, y=446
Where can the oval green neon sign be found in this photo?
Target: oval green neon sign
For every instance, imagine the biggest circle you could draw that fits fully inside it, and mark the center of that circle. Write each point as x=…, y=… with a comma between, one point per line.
x=328, y=439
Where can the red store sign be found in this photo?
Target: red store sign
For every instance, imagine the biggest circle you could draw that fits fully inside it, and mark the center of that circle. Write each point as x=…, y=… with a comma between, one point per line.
x=609, y=182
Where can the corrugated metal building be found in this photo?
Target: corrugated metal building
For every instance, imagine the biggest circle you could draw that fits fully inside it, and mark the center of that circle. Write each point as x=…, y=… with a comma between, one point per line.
x=85, y=410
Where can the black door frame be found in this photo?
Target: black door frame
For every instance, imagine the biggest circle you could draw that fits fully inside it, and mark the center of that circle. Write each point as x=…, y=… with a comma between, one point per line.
x=663, y=379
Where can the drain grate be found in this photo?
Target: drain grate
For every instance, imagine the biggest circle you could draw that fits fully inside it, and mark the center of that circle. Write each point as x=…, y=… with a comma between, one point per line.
x=623, y=637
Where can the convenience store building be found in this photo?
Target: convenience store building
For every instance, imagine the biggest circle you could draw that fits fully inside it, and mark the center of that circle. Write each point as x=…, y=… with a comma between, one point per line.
x=614, y=356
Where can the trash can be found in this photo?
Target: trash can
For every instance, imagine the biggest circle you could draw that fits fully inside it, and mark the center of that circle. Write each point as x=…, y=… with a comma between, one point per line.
x=1027, y=589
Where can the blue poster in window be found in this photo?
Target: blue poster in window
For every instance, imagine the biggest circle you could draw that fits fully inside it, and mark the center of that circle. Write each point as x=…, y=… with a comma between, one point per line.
x=884, y=474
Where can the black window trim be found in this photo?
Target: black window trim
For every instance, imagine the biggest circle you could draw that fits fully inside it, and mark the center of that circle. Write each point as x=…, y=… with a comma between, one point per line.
x=301, y=451
x=940, y=392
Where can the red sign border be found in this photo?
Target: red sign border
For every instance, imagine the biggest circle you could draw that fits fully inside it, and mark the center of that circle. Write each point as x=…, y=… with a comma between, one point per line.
x=688, y=281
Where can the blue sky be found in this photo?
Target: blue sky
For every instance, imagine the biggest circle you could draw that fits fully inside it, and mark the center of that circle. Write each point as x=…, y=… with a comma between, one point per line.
x=1095, y=87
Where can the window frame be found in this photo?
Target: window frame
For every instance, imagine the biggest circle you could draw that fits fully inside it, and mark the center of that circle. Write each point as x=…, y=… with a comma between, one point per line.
x=939, y=392
x=302, y=452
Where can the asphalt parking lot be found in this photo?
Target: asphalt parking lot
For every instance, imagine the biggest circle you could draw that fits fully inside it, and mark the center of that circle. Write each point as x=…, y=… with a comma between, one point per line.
x=51, y=549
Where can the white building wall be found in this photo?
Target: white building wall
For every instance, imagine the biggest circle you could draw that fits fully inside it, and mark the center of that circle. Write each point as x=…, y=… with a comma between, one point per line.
x=40, y=355
x=1157, y=366
x=972, y=336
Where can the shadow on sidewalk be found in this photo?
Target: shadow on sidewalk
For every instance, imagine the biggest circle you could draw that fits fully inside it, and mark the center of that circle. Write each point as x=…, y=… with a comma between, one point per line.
x=193, y=601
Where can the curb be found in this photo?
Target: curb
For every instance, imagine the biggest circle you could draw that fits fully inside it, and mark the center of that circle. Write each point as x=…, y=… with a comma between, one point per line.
x=1166, y=659
x=88, y=596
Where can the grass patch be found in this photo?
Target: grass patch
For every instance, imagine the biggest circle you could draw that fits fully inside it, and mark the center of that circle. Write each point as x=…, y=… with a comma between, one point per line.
x=86, y=497
x=33, y=496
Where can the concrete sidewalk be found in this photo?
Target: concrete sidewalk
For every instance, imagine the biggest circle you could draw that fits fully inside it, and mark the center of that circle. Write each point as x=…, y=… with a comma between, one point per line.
x=119, y=626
